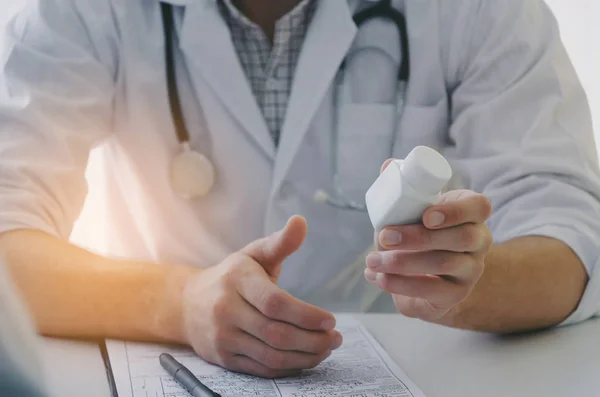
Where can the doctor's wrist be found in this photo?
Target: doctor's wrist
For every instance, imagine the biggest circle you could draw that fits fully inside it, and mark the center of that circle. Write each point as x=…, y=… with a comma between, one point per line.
x=168, y=323
x=507, y=301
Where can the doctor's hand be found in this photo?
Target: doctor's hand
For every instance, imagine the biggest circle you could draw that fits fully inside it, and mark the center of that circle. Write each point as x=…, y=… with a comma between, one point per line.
x=431, y=267
x=235, y=316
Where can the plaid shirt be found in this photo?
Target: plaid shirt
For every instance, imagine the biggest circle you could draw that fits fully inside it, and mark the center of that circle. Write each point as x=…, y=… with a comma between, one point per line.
x=270, y=68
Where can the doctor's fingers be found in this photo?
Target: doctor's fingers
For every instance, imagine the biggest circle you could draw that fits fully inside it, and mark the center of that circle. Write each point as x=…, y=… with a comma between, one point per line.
x=274, y=359
x=272, y=250
x=460, y=266
x=246, y=365
x=458, y=207
x=283, y=336
x=419, y=308
x=464, y=238
x=439, y=292
x=385, y=165
x=276, y=304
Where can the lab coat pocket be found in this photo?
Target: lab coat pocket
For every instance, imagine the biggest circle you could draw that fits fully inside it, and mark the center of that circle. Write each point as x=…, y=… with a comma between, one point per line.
x=365, y=140
x=423, y=125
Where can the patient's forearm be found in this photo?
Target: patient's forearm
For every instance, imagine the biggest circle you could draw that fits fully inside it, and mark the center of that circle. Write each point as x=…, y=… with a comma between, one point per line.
x=528, y=283
x=75, y=293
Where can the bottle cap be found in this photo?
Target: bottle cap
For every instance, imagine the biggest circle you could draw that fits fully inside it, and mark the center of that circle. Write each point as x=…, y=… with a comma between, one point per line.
x=426, y=170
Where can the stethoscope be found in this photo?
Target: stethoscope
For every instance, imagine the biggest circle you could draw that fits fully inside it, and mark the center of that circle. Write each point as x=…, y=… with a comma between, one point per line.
x=193, y=174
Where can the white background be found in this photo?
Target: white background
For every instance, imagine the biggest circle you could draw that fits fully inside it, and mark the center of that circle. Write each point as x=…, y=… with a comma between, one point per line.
x=580, y=28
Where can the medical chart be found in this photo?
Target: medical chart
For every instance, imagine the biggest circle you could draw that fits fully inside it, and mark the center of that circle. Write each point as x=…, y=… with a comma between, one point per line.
x=360, y=368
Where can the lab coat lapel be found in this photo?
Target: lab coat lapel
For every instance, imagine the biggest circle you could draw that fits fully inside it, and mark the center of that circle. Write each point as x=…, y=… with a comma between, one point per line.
x=328, y=39
x=206, y=44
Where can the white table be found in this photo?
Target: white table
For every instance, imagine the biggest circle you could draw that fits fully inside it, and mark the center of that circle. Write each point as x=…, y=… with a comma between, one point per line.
x=443, y=362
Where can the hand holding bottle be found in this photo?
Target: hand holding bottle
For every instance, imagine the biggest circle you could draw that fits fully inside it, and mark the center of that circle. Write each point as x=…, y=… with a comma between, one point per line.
x=431, y=266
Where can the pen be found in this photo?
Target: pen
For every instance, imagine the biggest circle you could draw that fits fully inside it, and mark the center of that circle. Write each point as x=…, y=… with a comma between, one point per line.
x=185, y=377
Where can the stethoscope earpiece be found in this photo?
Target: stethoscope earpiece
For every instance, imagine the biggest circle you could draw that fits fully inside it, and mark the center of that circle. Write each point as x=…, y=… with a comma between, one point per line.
x=192, y=174
x=322, y=197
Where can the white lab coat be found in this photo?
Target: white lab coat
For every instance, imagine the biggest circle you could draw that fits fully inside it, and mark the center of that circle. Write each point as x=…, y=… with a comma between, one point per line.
x=491, y=86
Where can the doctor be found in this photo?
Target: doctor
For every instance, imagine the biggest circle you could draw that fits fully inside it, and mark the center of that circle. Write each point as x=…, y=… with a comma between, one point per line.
x=267, y=126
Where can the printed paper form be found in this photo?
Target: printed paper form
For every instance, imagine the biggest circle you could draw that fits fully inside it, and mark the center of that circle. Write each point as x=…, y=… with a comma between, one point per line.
x=360, y=368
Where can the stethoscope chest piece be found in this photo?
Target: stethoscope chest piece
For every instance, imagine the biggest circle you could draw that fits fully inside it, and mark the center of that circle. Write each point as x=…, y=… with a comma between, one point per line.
x=192, y=174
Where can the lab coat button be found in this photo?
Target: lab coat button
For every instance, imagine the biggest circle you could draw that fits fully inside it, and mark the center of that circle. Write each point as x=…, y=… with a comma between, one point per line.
x=286, y=190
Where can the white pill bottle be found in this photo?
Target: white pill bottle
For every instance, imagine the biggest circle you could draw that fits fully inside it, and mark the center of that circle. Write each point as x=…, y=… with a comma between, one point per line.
x=406, y=188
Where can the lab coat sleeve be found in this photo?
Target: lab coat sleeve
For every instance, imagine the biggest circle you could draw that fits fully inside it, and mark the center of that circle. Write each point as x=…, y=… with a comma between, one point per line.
x=521, y=130
x=57, y=76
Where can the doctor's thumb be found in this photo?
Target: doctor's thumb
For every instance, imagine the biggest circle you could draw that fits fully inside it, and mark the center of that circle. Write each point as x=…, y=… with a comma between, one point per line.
x=271, y=251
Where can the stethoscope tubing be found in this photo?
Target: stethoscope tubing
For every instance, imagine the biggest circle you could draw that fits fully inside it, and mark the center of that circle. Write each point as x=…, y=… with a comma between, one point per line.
x=381, y=10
